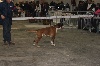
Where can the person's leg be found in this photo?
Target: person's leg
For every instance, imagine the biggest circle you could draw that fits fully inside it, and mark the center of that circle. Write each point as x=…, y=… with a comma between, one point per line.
x=5, y=30
x=9, y=33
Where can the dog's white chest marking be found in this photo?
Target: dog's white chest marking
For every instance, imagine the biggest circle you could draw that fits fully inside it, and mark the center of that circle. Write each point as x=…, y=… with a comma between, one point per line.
x=57, y=29
x=42, y=34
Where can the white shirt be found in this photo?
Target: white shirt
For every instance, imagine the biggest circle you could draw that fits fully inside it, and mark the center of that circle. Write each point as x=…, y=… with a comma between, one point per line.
x=89, y=5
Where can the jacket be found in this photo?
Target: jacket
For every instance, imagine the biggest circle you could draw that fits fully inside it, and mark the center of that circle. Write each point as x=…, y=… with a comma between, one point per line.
x=6, y=10
x=97, y=12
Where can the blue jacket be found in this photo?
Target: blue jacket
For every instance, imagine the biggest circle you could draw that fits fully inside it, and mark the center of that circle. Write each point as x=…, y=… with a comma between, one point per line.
x=6, y=10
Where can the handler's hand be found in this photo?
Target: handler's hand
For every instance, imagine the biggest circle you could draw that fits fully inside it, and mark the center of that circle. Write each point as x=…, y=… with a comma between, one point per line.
x=2, y=17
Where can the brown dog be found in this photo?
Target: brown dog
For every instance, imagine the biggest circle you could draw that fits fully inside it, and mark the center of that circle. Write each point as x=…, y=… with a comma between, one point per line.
x=48, y=31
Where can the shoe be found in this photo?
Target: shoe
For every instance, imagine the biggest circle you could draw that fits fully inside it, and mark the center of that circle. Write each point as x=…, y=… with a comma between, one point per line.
x=11, y=43
x=5, y=43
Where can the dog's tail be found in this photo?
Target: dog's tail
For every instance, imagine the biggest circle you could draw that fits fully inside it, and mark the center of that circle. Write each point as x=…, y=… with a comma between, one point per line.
x=31, y=31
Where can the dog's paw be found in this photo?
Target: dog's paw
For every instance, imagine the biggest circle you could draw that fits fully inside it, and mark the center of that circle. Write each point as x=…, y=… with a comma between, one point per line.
x=53, y=44
x=38, y=46
x=33, y=44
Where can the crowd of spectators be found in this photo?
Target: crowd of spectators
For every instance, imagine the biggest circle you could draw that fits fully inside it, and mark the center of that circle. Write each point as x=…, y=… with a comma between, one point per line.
x=87, y=6
x=91, y=23
x=36, y=9
x=39, y=9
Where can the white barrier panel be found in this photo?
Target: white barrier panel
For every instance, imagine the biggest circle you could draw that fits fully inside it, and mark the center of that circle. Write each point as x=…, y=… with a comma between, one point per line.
x=42, y=18
x=51, y=17
x=85, y=16
x=22, y=18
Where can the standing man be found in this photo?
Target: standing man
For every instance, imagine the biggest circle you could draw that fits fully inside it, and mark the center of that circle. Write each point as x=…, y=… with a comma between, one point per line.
x=91, y=6
x=73, y=4
x=6, y=8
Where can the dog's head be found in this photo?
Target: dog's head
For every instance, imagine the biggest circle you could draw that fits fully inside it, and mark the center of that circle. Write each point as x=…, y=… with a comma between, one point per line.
x=59, y=25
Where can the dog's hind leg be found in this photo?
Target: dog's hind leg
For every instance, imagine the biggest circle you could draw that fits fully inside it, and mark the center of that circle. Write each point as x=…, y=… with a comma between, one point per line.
x=52, y=41
x=36, y=41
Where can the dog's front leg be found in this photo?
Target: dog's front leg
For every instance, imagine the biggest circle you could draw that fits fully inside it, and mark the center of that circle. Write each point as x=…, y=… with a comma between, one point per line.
x=52, y=41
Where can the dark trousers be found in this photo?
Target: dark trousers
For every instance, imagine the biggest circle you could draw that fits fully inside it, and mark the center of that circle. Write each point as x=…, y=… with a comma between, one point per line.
x=6, y=30
x=95, y=23
x=80, y=23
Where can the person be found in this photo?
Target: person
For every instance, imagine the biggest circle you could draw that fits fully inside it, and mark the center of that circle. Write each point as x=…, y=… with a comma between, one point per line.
x=95, y=22
x=97, y=6
x=62, y=20
x=38, y=9
x=67, y=7
x=91, y=6
x=97, y=12
x=81, y=7
x=73, y=3
x=6, y=8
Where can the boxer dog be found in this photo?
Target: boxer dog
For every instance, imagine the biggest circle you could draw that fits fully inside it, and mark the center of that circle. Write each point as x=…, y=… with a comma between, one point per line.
x=48, y=31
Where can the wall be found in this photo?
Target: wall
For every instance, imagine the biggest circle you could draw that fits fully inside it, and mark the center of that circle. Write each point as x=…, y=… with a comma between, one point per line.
x=65, y=1
x=96, y=1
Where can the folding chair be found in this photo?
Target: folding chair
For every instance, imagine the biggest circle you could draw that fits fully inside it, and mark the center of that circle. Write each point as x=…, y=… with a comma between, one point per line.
x=87, y=23
x=97, y=17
